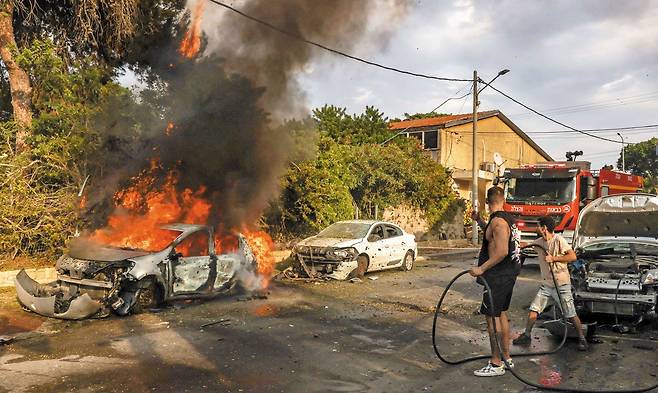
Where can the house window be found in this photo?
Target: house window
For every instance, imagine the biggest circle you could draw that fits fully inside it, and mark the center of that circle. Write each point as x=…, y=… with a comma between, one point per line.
x=431, y=140
x=417, y=135
x=428, y=139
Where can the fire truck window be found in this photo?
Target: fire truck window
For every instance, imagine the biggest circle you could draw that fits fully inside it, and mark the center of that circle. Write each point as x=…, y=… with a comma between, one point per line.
x=583, y=189
x=195, y=245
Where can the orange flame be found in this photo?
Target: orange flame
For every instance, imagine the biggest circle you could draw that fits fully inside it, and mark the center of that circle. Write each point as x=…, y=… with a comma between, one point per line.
x=191, y=43
x=145, y=206
x=169, y=129
x=262, y=245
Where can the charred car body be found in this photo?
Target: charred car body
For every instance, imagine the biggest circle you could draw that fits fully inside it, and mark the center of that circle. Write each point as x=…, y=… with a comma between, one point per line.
x=94, y=280
x=337, y=251
x=616, y=240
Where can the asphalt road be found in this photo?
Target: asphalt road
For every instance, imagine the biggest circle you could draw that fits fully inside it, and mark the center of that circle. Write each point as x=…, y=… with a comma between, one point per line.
x=307, y=337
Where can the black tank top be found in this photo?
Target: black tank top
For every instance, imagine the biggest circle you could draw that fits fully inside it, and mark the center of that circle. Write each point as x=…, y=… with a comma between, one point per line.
x=511, y=265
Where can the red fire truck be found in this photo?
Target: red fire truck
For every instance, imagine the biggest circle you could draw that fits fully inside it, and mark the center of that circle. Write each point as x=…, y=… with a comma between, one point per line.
x=559, y=189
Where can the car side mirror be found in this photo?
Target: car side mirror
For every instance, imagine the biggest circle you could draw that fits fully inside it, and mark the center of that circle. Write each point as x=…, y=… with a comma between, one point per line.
x=373, y=238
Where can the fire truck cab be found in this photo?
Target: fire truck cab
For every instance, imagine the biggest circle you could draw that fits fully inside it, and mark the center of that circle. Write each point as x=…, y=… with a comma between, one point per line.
x=559, y=189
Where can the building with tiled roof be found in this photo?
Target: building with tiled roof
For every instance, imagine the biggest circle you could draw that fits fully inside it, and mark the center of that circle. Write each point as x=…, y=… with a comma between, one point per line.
x=448, y=139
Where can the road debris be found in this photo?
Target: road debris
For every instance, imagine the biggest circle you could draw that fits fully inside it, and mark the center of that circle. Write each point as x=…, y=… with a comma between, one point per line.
x=373, y=278
x=6, y=340
x=223, y=322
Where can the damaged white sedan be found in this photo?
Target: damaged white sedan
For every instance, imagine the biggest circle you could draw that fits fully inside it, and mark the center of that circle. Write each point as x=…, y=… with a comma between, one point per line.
x=616, y=240
x=352, y=248
x=95, y=280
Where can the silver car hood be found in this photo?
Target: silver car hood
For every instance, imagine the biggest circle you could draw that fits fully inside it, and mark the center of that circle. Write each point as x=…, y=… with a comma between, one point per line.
x=619, y=218
x=84, y=249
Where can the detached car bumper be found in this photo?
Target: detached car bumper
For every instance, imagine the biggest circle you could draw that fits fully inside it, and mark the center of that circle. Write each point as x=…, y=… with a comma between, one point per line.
x=36, y=298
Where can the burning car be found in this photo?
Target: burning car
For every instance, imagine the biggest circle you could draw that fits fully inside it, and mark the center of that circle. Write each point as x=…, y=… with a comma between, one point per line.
x=616, y=240
x=337, y=251
x=95, y=280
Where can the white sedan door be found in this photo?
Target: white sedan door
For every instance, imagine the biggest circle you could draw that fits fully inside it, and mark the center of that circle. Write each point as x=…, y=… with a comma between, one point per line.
x=378, y=249
x=396, y=245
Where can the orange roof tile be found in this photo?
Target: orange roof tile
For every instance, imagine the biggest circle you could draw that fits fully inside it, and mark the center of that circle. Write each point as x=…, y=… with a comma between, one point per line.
x=434, y=121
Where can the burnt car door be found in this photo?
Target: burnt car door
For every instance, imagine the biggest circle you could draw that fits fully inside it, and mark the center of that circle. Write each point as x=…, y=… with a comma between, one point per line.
x=193, y=264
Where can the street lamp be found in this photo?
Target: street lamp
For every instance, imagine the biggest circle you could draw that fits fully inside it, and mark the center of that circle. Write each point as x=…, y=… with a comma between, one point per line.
x=476, y=169
x=623, y=159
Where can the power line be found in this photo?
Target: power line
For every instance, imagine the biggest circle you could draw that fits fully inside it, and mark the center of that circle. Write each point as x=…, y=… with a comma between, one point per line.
x=335, y=51
x=632, y=128
x=553, y=120
x=604, y=104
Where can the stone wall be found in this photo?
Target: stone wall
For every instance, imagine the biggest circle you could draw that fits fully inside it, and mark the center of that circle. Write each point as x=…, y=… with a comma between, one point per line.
x=412, y=221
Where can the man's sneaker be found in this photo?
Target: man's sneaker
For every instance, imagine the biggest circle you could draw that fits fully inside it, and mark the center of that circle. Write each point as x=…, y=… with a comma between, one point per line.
x=582, y=344
x=509, y=364
x=490, y=370
x=523, y=340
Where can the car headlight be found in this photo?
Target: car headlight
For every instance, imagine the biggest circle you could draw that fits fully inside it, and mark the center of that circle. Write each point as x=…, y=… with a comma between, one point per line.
x=345, y=253
x=651, y=277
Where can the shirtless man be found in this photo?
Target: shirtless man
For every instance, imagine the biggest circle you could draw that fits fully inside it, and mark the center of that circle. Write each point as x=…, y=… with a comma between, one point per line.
x=499, y=264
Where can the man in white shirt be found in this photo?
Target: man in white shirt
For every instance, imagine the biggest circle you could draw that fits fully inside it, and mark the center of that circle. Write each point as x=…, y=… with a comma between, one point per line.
x=559, y=256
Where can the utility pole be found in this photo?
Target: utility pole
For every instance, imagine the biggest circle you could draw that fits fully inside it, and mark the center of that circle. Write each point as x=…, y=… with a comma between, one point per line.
x=474, y=191
x=623, y=159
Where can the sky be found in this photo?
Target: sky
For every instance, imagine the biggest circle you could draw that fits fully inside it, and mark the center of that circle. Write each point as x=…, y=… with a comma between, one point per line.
x=589, y=64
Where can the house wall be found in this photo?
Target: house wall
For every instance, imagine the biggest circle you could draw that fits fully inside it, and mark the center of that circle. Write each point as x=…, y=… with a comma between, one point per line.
x=493, y=136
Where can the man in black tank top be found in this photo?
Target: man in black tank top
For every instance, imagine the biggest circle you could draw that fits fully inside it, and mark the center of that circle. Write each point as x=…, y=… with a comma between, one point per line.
x=499, y=263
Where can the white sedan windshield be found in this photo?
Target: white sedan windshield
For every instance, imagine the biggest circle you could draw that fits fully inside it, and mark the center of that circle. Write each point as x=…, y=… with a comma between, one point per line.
x=345, y=230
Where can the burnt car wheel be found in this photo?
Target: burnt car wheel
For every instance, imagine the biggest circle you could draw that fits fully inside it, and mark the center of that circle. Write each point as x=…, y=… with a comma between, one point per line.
x=408, y=262
x=361, y=268
x=149, y=295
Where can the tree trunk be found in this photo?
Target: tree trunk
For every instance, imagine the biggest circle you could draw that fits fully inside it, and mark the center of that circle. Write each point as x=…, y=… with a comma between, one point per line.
x=19, y=81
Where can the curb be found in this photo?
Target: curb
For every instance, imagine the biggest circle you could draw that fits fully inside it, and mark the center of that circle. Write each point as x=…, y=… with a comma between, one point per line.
x=43, y=276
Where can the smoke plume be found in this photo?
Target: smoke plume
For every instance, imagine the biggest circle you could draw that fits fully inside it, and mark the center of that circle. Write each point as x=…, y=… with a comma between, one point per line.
x=215, y=130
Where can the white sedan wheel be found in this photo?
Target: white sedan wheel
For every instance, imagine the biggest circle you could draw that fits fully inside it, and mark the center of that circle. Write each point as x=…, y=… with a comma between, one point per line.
x=408, y=262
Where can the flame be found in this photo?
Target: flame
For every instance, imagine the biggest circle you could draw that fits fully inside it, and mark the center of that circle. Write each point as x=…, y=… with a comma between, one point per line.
x=83, y=202
x=262, y=245
x=191, y=43
x=169, y=129
x=142, y=208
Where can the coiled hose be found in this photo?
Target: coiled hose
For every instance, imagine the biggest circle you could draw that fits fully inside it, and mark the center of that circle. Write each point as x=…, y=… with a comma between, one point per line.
x=500, y=348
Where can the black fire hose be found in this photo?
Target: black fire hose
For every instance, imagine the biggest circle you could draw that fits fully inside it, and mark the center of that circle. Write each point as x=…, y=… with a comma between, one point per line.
x=500, y=348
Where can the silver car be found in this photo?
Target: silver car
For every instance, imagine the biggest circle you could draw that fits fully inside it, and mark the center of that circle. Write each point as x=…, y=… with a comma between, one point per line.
x=94, y=280
x=616, y=240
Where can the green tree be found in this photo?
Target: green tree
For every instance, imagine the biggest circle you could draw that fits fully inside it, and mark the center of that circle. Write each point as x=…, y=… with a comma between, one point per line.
x=641, y=160
x=351, y=169
x=38, y=200
x=427, y=115
x=119, y=32
x=371, y=126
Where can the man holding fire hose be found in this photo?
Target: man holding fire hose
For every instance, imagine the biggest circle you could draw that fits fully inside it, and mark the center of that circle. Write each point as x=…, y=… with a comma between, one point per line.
x=559, y=256
x=499, y=263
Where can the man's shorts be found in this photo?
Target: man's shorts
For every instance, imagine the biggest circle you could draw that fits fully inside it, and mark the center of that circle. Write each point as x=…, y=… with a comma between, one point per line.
x=547, y=293
x=501, y=290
